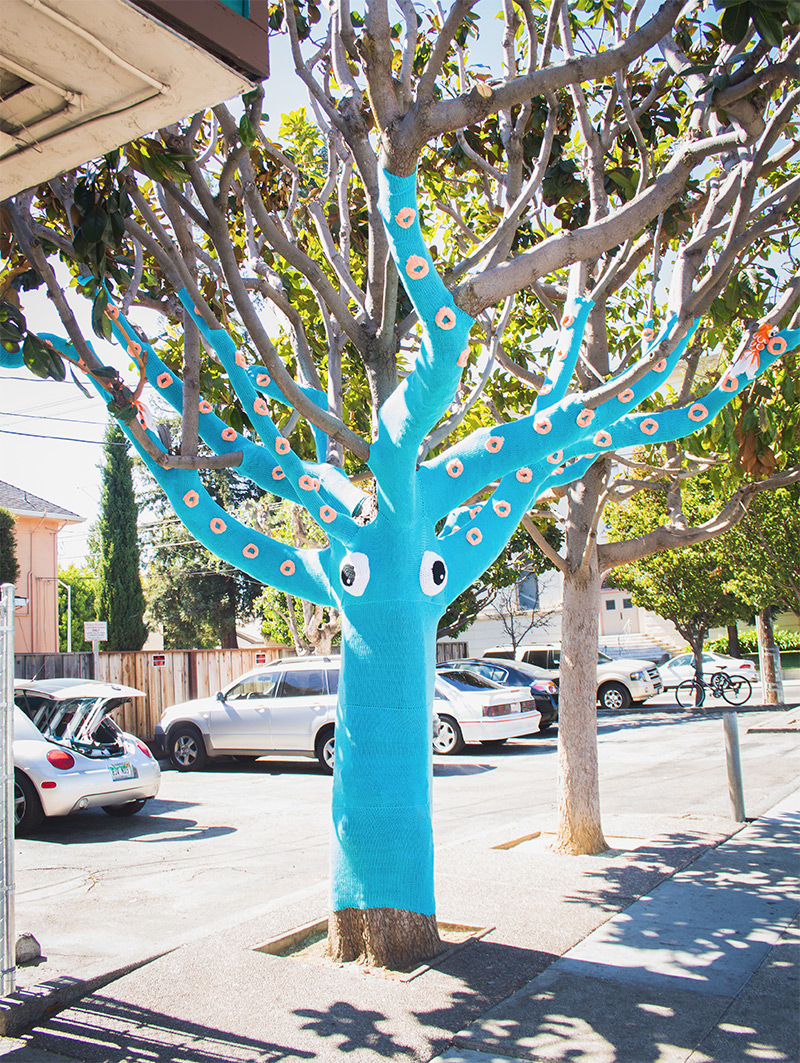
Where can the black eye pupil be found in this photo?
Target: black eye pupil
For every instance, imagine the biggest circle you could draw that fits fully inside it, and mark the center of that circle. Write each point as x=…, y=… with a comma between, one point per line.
x=348, y=575
x=439, y=572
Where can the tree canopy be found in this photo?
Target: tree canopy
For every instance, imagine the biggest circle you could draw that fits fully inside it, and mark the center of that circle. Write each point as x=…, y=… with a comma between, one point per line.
x=445, y=291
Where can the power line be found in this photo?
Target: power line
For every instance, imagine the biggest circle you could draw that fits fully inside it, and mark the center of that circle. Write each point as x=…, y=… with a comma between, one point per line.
x=62, y=439
x=44, y=417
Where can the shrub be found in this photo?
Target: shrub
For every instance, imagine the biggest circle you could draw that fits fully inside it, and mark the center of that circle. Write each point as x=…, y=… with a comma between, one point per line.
x=748, y=640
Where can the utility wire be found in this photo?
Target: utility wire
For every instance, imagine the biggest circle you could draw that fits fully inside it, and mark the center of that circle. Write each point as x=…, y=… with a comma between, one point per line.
x=62, y=439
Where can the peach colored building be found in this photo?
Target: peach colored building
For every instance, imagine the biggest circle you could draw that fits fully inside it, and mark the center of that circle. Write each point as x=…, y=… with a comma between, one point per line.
x=36, y=527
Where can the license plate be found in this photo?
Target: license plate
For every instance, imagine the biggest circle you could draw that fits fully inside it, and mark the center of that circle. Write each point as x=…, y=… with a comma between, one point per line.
x=123, y=771
x=515, y=707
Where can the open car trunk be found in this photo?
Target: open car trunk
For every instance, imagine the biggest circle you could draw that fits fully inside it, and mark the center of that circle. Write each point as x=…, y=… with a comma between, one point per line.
x=79, y=716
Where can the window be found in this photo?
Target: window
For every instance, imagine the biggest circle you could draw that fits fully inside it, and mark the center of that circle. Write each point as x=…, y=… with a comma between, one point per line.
x=627, y=603
x=333, y=681
x=304, y=683
x=255, y=686
x=611, y=604
x=467, y=680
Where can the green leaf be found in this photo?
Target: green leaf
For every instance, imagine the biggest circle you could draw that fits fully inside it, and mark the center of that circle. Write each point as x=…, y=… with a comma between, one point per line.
x=42, y=359
x=735, y=23
x=769, y=26
x=247, y=131
x=100, y=323
x=126, y=414
x=105, y=372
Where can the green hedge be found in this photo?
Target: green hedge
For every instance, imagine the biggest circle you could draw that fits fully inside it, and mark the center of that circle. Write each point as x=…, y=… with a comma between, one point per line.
x=784, y=640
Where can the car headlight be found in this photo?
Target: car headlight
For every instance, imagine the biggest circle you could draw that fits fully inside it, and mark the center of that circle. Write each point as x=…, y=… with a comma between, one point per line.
x=640, y=677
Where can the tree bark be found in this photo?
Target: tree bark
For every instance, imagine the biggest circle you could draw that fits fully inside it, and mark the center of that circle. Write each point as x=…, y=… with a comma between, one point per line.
x=769, y=659
x=579, y=826
x=382, y=937
x=734, y=647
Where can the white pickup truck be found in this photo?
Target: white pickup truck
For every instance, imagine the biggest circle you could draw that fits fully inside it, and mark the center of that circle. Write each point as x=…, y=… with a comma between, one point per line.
x=620, y=683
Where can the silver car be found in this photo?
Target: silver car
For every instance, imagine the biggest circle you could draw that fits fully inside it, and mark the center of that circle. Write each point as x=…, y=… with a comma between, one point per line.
x=70, y=755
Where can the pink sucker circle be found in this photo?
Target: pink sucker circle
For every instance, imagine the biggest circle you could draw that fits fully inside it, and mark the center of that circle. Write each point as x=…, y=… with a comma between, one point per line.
x=698, y=412
x=626, y=395
x=542, y=425
x=454, y=468
x=777, y=345
x=260, y=407
x=217, y=525
x=494, y=444
x=405, y=217
x=134, y=349
x=648, y=426
x=204, y=406
x=524, y=475
x=262, y=379
x=112, y=312
x=567, y=321
x=282, y=445
x=191, y=498
x=307, y=483
x=647, y=333
x=501, y=507
x=241, y=361
x=163, y=380
x=555, y=459
x=416, y=267
x=660, y=366
x=228, y=434
x=602, y=439
x=729, y=383
x=445, y=318
x=287, y=568
x=251, y=550
x=474, y=536
x=463, y=358
x=327, y=514
x=585, y=418
x=278, y=473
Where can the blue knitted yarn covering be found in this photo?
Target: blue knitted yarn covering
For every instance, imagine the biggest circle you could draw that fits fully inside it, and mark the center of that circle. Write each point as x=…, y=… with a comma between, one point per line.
x=393, y=578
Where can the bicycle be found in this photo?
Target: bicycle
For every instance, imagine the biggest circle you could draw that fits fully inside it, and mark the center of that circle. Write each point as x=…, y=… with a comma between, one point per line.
x=735, y=689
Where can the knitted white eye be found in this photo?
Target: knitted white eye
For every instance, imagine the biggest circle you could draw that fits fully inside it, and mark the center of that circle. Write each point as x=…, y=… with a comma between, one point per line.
x=432, y=573
x=354, y=573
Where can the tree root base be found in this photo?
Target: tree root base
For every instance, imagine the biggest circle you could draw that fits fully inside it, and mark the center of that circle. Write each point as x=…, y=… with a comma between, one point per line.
x=383, y=937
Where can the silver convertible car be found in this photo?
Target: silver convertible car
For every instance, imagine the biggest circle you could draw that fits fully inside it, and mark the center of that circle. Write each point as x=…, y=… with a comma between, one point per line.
x=70, y=755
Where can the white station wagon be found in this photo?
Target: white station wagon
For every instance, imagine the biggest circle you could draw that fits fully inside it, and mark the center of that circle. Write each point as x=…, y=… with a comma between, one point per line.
x=288, y=709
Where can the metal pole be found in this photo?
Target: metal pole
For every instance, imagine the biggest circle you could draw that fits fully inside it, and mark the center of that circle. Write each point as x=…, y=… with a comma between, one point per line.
x=734, y=764
x=8, y=970
x=68, y=589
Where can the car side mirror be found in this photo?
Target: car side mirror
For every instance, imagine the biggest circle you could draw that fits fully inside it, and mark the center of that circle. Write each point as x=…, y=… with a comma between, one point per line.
x=220, y=695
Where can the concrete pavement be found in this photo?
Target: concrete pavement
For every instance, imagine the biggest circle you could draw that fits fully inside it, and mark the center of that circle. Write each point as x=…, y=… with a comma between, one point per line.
x=675, y=946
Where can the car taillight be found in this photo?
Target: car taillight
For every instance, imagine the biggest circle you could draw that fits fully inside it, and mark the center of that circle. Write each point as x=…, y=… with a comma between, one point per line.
x=60, y=758
x=144, y=749
x=496, y=710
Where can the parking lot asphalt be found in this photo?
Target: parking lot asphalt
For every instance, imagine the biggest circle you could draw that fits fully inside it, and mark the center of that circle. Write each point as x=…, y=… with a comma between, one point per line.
x=682, y=930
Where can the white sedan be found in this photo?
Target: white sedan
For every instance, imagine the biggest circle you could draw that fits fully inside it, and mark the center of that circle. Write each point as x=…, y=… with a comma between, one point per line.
x=70, y=755
x=474, y=709
x=677, y=669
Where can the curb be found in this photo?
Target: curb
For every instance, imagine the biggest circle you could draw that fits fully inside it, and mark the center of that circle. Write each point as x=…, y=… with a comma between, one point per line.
x=20, y=1010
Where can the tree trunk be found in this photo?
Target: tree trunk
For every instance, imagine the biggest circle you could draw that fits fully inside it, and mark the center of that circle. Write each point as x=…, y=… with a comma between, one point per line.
x=383, y=908
x=769, y=660
x=579, y=826
x=696, y=642
x=734, y=647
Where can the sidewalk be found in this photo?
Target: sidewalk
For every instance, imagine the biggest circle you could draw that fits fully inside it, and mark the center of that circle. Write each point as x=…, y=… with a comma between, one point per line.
x=701, y=967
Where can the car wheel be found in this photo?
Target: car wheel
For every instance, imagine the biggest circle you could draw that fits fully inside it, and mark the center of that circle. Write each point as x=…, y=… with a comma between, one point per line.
x=185, y=748
x=129, y=808
x=324, y=748
x=614, y=696
x=449, y=739
x=28, y=812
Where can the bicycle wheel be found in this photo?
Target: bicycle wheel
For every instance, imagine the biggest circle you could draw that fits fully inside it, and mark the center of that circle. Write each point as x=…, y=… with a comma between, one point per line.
x=738, y=690
x=690, y=694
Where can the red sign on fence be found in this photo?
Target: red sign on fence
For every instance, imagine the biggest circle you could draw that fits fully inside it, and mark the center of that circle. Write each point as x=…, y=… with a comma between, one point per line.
x=159, y=660
x=261, y=658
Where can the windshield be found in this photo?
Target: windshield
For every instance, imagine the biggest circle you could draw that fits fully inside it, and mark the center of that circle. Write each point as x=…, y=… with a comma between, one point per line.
x=468, y=681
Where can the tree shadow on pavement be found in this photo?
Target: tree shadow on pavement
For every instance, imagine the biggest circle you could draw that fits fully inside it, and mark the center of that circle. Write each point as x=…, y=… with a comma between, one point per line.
x=99, y=1029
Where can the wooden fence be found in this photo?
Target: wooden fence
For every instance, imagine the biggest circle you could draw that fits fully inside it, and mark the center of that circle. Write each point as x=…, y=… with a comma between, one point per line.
x=167, y=678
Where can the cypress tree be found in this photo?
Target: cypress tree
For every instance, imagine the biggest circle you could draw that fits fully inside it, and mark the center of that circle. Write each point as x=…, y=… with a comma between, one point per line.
x=120, y=594
x=9, y=567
